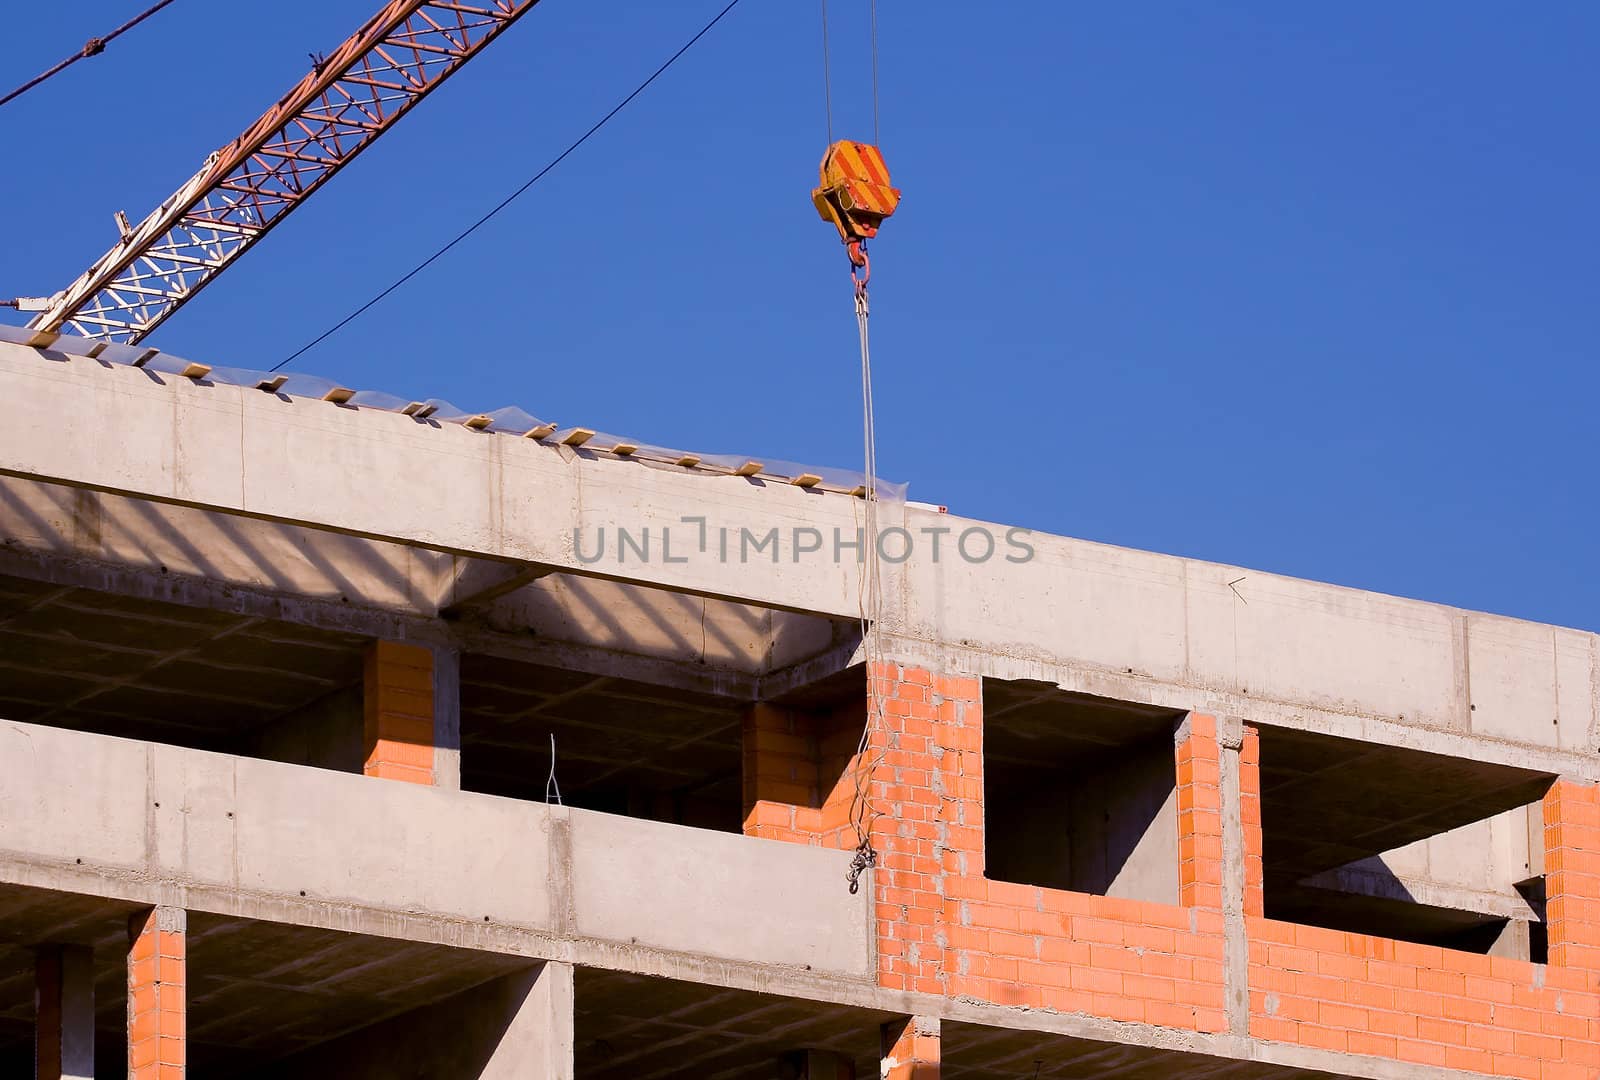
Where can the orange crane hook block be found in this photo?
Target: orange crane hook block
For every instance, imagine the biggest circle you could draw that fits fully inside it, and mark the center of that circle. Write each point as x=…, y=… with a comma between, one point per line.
x=855, y=195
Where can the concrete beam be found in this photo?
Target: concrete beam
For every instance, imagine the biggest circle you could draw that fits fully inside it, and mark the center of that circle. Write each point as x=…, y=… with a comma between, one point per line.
x=1362, y=879
x=359, y=618
x=1181, y=695
x=261, y=455
x=480, y=583
x=1475, y=868
x=150, y=823
x=1231, y=641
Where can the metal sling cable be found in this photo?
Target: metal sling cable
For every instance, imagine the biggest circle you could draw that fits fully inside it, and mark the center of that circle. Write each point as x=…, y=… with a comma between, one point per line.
x=509, y=199
x=869, y=594
x=93, y=47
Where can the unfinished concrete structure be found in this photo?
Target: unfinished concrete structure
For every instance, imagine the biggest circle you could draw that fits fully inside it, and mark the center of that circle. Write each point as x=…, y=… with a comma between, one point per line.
x=280, y=679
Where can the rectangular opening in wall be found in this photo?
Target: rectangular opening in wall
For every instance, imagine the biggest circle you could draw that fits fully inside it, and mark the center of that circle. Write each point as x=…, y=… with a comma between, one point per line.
x=1079, y=792
x=1402, y=844
x=622, y=746
x=139, y=668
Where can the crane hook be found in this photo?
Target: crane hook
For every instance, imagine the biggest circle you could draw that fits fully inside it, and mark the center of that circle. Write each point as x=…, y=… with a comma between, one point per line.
x=857, y=250
x=856, y=196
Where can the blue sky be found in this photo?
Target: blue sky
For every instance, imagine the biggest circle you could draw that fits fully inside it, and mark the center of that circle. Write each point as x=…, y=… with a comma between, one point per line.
x=1306, y=288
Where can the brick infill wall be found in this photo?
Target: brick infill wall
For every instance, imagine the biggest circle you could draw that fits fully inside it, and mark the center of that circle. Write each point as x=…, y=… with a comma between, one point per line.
x=944, y=928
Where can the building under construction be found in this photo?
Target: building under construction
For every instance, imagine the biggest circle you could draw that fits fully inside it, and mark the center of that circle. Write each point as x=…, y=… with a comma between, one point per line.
x=355, y=738
x=348, y=736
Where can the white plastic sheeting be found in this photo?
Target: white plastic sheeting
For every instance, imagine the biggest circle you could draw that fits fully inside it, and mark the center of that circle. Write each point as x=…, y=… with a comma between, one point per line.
x=506, y=421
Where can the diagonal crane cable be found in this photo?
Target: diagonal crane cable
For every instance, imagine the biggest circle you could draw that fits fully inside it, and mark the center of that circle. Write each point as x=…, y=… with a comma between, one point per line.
x=93, y=47
x=509, y=199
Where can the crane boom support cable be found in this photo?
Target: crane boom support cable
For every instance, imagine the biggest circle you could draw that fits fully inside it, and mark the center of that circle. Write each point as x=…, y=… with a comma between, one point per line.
x=509, y=199
x=93, y=47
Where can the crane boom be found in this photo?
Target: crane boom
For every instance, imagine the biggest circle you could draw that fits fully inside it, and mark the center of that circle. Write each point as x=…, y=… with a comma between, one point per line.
x=247, y=187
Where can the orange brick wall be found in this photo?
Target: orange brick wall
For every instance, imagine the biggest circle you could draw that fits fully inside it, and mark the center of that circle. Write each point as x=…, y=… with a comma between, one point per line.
x=397, y=715
x=800, y=773
x=157, y=979
x=1199, y=763
x=944, y=928
x=922, y=810
x=780, y=757
x=911, y=1049
x=1572, y=875
x=1072, y=952
x=1121, y=959
x=1419, y=1003
x=927, y=803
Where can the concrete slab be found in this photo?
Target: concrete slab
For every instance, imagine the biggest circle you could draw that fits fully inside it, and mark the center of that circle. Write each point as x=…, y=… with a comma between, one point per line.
x=680, y=889
x=235, y=836
x=126, y=430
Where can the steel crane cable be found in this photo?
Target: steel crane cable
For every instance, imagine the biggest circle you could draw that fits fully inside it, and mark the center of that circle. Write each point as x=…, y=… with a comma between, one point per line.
x=827, y=73
x=93, y=47
x=877, y=137
x=509, y=199
x=869, y=585
x=869, y=595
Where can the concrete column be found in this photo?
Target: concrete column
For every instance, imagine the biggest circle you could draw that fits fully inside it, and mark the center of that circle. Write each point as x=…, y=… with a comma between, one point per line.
x=1250, y=822
x=911, y=1049
x=447, y=718
x=402, y=723
x=1235, y=940
x=326, y=734
x=538, y=1041
x=515, y=1028
x=1572, y=874
x=397, y=713
x=1514, y=941
x=157, y=981
x=64, y=1013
